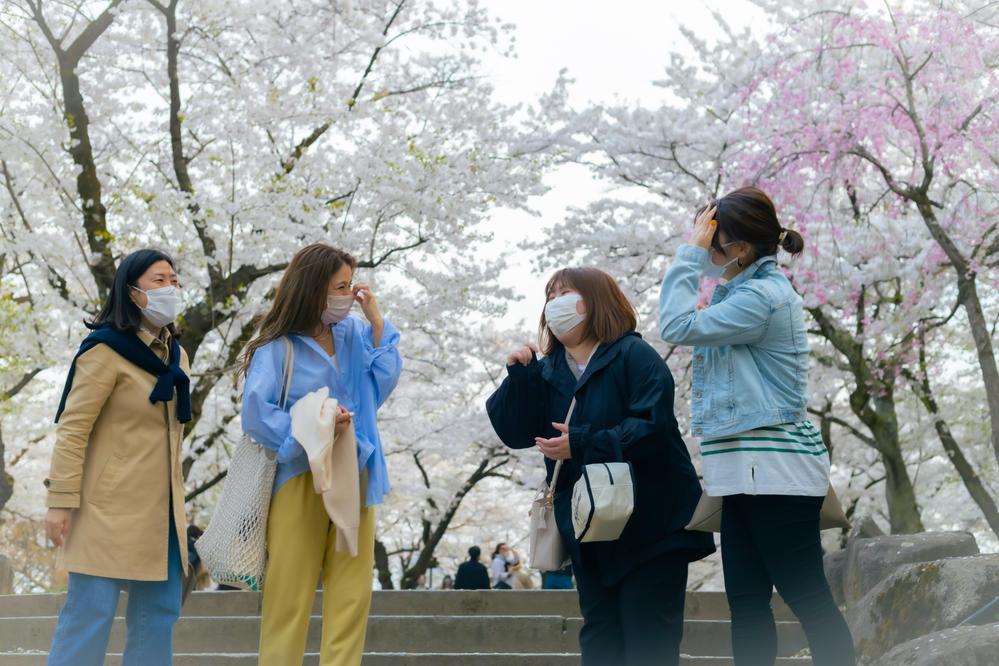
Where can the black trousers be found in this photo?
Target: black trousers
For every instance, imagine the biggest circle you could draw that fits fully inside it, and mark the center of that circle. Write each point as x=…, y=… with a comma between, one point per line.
x=773, y=541
x=636, y=622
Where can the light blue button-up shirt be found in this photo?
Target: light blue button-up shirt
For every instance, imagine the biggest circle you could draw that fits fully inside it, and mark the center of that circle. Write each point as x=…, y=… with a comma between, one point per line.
x=360, y=376
x=750, y=363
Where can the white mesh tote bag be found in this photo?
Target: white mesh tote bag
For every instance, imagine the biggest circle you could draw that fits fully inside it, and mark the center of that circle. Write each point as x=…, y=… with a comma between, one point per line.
x=602, y=501
x=548, y=552
x=234, y=546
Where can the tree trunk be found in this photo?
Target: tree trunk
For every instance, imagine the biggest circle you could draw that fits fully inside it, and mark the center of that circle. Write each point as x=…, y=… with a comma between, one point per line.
x=432, y=534
x=873, y=402
x=382, y=566
x=977, y=322
x=6, y=480
x=88, y=183
x=880, y=417
x=972, y=482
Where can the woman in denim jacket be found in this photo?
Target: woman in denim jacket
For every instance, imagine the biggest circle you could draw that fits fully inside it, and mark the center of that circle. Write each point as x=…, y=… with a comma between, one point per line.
x=759, y=452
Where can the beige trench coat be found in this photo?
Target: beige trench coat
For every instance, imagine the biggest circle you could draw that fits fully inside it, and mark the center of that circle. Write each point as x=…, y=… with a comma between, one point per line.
x=117, y=464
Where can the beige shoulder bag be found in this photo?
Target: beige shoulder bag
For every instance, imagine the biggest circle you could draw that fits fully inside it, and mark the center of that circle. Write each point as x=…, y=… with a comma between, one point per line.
x=548, y=551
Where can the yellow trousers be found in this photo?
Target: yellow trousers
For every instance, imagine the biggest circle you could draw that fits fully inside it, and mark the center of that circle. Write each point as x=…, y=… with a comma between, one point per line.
x=301, y=544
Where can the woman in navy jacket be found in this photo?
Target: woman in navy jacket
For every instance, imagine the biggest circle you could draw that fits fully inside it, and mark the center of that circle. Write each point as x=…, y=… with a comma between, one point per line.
x=631, y=591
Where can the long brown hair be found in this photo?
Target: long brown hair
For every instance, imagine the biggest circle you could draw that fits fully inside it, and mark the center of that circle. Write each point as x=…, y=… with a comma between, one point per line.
x=609, y=313
x=300, y=297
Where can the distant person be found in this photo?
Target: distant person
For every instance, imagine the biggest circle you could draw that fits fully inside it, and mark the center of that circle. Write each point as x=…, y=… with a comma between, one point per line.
x=115, y=488
x=557, y=580
x=472, y=574
x=499, y=572
x=447, y=583
x=520, y=577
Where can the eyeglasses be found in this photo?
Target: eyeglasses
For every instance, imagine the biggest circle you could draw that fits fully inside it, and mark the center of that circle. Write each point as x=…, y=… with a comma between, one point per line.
x=724, y=245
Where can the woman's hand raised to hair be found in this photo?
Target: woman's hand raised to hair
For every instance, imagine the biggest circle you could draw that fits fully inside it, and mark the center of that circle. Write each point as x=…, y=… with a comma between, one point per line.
x=704, y=228
x=369, y=305
x=522, y=355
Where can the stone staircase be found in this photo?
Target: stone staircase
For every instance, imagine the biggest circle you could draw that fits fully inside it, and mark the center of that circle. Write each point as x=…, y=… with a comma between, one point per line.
x=425, y=628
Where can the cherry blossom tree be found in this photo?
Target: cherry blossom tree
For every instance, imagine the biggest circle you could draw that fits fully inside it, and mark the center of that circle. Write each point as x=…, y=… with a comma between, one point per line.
x=772, y=109
x=231, y=134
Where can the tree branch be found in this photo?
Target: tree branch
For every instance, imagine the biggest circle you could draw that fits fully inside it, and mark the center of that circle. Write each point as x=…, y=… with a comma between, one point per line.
x=289, y=163
x=88, y=183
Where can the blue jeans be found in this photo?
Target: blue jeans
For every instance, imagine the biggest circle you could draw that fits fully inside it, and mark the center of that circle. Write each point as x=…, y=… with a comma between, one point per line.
x=81, y=636
x=556, y=581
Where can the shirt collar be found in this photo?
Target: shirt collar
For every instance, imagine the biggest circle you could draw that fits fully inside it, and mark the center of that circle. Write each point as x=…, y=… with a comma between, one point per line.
x=751, y=270
x=149, y=339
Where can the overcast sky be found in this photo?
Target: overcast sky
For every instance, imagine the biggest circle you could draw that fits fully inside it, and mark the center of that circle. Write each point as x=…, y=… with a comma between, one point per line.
x=612, y=51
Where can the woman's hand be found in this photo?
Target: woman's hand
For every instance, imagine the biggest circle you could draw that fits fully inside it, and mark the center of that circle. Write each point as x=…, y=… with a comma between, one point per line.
x=704, y=228
x=556, y=448
x=342, y=422
x=57, y=524
x=369, y=304
x=522, y=355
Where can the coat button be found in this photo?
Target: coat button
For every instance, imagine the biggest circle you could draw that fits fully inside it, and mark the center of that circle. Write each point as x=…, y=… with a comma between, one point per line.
x=697, y=394
x=46, y=483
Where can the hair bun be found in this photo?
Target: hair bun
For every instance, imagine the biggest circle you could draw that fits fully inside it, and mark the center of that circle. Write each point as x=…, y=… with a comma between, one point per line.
x=791, y=241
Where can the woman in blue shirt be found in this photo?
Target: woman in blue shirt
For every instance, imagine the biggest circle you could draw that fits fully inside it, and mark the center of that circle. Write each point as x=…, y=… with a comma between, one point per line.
x=759, y=452
x=359, y=363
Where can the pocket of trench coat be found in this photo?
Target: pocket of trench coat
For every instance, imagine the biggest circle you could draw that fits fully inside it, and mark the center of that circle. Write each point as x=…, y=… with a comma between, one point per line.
x=108, y=481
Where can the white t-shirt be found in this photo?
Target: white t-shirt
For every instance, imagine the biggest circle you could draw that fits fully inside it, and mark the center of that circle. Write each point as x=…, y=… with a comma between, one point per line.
x=786, y=459
x=498, y=572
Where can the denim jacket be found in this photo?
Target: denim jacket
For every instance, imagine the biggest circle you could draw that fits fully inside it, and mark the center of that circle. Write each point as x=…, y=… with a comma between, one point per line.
x=750, y=345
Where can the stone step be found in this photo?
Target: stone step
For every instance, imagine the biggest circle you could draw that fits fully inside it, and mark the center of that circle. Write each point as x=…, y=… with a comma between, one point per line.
x=401, y=633
x=699, y=605
x=396, y=659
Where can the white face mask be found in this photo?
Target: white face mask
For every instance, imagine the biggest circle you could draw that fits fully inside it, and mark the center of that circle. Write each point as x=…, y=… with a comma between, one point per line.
x=713, y=270
x=163, y=305
x=337, y=309
x=561, y=315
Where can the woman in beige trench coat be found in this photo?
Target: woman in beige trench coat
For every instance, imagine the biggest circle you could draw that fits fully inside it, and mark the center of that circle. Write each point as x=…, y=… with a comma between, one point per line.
x=115, y=489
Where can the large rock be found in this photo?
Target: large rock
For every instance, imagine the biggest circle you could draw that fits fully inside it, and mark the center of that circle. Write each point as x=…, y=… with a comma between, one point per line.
x=864, y=527
x=921, y=599
x=6, y=575
x=835, y=565
x=962, y=646
x=869, y=561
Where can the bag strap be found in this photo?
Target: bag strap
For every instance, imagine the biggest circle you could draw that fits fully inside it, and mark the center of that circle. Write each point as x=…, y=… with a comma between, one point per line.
x=558, y=463
x=289, y=369
x=550, y=488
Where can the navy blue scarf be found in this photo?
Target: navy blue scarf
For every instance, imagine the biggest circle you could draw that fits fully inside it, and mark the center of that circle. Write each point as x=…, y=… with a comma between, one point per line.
x=130, y=347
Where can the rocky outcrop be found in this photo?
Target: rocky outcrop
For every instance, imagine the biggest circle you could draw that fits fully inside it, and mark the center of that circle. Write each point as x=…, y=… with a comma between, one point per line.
x=869, y=561
x=921, y=599
x=962, y=646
